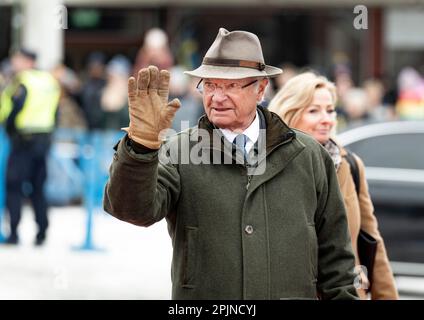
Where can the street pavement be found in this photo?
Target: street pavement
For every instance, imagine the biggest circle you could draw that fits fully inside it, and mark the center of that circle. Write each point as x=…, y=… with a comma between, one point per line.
x=131, y=262
x=128, y=262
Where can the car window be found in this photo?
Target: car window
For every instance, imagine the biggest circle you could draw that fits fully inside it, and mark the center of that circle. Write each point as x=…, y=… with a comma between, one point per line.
x=404, y=151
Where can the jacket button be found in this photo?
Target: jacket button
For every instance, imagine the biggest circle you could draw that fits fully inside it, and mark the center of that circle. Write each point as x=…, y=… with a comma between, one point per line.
x=248, y=229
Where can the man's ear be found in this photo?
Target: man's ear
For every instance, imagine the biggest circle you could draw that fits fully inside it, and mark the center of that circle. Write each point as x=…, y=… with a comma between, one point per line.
x=261, y=89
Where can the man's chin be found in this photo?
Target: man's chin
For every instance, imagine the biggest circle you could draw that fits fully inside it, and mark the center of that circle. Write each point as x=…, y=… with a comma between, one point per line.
x=221, y=123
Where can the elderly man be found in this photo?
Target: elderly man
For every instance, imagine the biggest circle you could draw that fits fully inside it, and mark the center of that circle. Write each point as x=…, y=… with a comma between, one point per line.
x=269, y=228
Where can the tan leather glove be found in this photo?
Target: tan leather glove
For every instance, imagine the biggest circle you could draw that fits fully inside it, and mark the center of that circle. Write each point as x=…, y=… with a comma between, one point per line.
x=149, y=110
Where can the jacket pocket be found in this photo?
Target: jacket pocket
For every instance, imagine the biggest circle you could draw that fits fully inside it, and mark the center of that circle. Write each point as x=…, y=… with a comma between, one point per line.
x=189, y=268
x=313, y=251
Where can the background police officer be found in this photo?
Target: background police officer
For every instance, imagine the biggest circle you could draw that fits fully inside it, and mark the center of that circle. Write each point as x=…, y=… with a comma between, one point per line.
x=27, y=110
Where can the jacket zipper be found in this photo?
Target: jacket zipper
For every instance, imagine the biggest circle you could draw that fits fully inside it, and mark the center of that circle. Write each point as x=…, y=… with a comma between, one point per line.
x=248, y=182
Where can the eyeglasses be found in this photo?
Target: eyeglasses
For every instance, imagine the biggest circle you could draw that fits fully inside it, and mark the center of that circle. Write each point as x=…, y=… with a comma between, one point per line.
x=231, y=88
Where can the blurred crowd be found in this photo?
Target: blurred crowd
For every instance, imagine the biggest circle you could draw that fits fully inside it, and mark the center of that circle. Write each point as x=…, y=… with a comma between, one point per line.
x=92, y=109
x=96, y=99
x=372, y=100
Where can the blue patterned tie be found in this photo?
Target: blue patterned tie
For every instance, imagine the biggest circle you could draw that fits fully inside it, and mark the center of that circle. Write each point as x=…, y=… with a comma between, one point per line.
x=240, y=142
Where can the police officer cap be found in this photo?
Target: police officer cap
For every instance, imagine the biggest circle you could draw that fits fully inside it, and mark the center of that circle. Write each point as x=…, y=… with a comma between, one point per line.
x=28, y=53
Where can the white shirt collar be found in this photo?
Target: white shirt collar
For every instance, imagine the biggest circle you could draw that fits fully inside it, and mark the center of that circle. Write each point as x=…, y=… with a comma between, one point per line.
x=252, y=133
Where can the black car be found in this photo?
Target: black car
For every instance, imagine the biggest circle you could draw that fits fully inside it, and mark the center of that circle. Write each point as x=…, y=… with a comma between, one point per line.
x=393, y=153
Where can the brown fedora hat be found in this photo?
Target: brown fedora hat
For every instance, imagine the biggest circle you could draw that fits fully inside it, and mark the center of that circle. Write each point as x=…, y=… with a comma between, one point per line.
x=234, y=55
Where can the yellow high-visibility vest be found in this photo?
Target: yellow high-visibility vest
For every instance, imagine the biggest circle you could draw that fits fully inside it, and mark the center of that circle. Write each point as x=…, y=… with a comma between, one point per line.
x=6, y=101
x=42, y=99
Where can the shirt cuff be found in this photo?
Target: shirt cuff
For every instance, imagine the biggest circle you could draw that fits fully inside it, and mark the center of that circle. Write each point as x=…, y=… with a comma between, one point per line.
x=139, y=148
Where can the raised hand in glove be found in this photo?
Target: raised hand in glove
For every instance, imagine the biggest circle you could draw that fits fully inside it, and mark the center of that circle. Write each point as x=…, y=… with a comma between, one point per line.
x=149, y=109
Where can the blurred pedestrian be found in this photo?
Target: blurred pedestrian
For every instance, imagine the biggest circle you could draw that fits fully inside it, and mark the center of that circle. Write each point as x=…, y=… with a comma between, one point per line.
x=181, y=87
x=5, y=73
x=114, y=96
x=271, y=228
x=378, y=111
x=91, y=90
x=410, y=103
x=342, y=78
x=290, y=71
x=69, y=114
x=307, y=102
x=28, y=109
x=154, y=51
x=354, y=110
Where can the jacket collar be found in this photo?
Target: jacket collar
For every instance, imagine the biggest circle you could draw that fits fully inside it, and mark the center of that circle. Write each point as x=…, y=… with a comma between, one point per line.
x=277, y=132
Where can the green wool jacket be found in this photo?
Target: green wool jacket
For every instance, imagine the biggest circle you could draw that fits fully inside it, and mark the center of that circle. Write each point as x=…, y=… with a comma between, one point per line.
x=281, y=234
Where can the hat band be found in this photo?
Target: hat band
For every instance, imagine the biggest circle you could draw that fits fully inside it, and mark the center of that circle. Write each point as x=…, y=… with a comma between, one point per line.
x=234, y=63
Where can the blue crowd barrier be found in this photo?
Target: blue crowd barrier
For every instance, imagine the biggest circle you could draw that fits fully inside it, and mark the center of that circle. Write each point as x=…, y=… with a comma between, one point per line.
x=77, y=168
x=4, y=152
x=96, y=156
x=64, y=185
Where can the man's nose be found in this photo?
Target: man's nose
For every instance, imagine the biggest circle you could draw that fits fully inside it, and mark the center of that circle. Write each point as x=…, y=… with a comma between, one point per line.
x=219, y=95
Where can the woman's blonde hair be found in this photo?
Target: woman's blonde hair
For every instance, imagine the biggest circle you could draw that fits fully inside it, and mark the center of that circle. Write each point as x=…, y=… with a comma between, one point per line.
x=297, y=94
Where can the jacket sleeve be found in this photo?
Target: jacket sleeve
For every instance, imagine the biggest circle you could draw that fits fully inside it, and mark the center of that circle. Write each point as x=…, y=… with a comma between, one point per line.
x=140, y=190
x=18, y=101
x=383, y=281
x=336, y=264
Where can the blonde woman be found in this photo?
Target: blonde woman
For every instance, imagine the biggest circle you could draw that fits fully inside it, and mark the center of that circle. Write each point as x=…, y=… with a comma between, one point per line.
x=307, y=102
